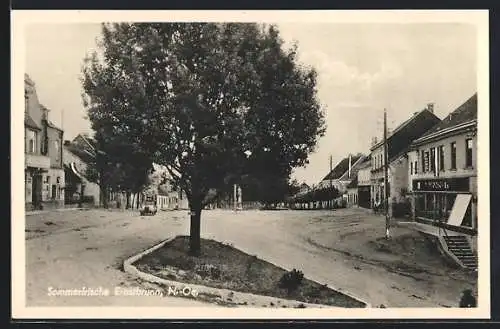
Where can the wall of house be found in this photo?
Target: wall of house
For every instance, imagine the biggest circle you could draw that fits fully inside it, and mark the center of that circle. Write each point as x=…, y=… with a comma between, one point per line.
x=53, y=188
x=27, y=140
x=91, y=189
x=55, y=147
x=398, y=179
x=461, y=169
x=352, y=196
x=377, y=158
x=27, y=187
x=33, y=104
x=364, y=176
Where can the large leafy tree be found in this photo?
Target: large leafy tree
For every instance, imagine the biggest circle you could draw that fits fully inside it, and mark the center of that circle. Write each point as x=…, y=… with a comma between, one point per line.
x=211, y=102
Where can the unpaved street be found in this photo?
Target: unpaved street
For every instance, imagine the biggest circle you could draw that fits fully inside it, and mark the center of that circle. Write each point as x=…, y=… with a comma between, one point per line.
x=342, y=248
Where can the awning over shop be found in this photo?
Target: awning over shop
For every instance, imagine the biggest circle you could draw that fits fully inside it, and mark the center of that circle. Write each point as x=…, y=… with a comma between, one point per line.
x=459, y=209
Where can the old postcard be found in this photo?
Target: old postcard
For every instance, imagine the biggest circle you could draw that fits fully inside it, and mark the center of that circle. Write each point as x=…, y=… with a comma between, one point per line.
x=257, y=165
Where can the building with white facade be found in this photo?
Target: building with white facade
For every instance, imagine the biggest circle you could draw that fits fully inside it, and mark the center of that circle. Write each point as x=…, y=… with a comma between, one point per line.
x=43, y=165
x=398, y=143
x=443, y=169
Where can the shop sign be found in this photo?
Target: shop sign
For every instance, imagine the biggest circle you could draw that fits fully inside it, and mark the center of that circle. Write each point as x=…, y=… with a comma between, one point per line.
x=445, y=184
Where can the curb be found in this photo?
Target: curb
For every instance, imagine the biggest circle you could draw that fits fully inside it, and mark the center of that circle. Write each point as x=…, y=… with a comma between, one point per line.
x=132, y=270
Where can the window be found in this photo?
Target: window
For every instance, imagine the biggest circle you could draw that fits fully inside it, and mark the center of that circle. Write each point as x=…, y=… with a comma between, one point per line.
x=416, y=167
x=468, y=153
x=423, y=161
x=54, y=189
x=453, y=155
x=31, y=141
x=433, y=159
x=426, y=161
x=441, y=157
x=411, y=168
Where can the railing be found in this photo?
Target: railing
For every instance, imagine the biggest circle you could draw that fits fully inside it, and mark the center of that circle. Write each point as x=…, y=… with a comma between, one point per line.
x=443, y=225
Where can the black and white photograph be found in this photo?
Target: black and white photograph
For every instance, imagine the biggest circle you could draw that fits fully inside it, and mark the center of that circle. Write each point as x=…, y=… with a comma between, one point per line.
x=265, y=164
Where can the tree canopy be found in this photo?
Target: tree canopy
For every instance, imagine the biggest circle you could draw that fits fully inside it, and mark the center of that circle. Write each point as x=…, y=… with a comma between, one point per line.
x=211, y=102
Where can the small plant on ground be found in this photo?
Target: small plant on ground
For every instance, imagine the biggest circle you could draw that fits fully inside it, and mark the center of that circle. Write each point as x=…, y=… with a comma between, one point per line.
x=291, y=280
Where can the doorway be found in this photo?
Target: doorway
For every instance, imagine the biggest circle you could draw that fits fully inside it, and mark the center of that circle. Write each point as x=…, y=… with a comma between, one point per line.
x=36, y=188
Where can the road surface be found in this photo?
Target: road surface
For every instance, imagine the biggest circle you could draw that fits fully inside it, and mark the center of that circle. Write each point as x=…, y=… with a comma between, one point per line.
x=74, y=249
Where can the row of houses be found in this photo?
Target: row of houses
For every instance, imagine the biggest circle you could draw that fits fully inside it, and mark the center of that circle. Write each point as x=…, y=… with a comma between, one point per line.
x=432, y=171
x=56, y=169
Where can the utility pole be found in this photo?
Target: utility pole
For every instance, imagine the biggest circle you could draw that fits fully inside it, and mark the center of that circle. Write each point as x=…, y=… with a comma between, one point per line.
x=330, y=202
x=235, y=201
x=386, y=180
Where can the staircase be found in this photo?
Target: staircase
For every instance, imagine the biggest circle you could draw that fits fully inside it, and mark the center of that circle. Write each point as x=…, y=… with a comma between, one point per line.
x=460, y=247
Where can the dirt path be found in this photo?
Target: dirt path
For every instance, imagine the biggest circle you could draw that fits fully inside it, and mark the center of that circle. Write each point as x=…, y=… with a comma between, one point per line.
x=345, y=251
x=86, y=250
x=341, y=249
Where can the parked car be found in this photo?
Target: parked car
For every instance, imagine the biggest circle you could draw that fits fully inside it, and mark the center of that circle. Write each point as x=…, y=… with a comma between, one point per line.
x=149, y=206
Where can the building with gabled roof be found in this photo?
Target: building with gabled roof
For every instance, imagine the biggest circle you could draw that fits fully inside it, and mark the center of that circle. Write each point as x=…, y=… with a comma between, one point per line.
x=443, y=171
x=343, y=174
x=398, y=144
x=43, y=165
x=443, y=182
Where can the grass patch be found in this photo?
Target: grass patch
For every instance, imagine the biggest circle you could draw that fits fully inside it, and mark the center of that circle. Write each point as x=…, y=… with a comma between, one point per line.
x=222, y=266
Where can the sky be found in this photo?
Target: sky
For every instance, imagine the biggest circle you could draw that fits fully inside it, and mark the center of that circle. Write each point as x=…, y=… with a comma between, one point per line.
x=362, y=70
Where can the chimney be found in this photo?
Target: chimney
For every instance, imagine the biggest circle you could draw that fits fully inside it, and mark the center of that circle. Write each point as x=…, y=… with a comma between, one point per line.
x=430, y=107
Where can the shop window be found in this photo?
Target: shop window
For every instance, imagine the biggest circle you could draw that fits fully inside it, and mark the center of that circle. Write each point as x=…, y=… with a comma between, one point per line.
x=442, y=213
x=429, y=202
x=450, y=201
x=453, y=155
x=468, y=153
x=419, y=205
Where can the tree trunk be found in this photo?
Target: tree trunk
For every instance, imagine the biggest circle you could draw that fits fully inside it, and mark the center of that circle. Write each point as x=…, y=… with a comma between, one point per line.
x=104, y=196
x=128, y=200
x=194, y=228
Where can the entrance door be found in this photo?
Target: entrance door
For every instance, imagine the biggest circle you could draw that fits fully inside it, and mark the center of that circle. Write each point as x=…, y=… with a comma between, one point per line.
x=36, y=190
